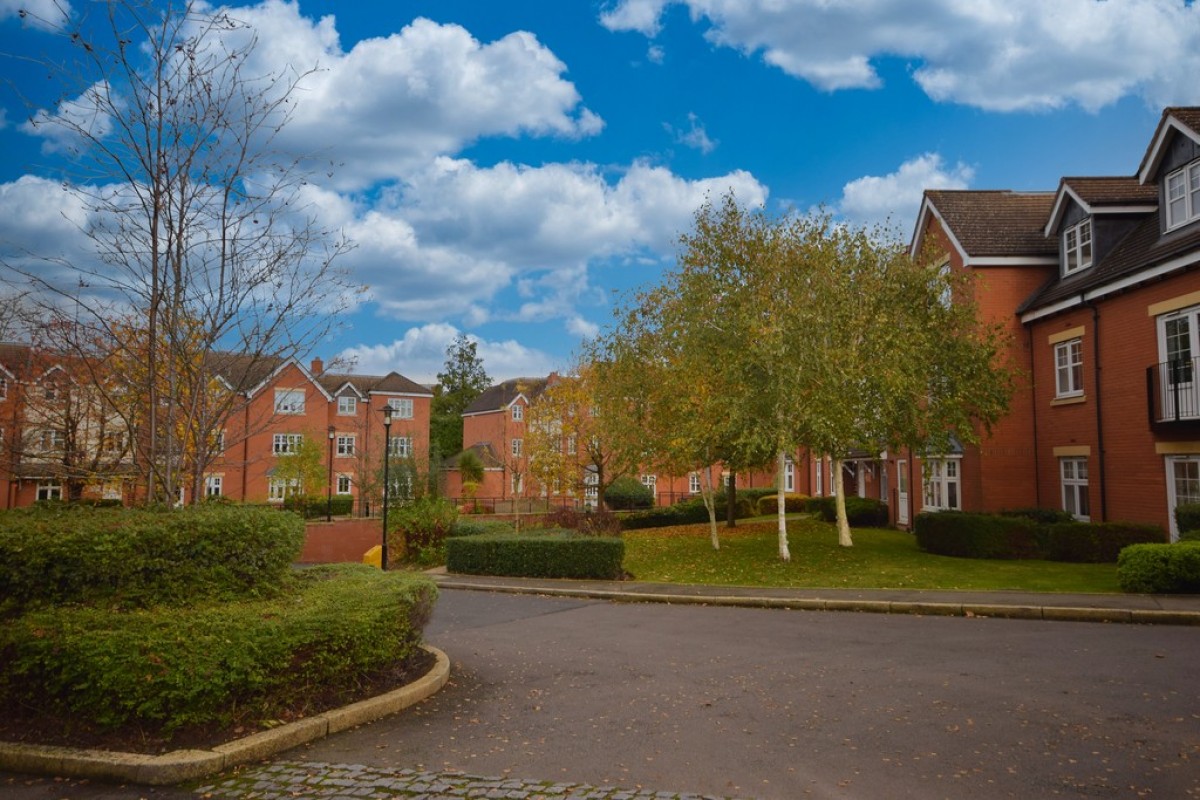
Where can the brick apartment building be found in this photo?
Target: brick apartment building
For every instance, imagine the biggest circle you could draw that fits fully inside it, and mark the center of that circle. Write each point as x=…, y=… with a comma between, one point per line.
x=1097, y=284
x=286, y=402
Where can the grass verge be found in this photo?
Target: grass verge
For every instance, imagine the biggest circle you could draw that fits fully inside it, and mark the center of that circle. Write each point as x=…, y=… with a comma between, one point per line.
x=880, y=559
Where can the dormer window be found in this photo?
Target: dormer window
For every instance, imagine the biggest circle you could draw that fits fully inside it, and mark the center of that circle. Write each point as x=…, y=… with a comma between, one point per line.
x=1077, y=247
x=1183, y=195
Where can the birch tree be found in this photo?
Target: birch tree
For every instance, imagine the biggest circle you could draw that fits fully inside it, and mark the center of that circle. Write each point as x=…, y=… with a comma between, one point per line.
x=201, y=229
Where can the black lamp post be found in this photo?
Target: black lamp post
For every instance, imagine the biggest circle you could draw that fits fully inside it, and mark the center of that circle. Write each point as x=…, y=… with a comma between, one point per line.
x=329, y=486
x=387, y=448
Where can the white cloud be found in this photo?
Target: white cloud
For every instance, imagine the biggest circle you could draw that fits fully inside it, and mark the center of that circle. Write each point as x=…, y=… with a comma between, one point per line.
x=77, y=119
x=655, y=54
x=1002, y=55
x=894, y=198
x=695, y=136
x=46, y=15
x=390, y=104
x=422, y=352
x=584, y=329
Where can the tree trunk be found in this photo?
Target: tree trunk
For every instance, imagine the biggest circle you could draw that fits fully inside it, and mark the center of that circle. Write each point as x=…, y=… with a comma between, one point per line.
x=843, y=524
x=731, y=501
x=781, y=506
x=710, y=503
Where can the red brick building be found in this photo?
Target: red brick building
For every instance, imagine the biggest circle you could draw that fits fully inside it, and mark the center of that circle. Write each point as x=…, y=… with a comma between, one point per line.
x=1097, y=283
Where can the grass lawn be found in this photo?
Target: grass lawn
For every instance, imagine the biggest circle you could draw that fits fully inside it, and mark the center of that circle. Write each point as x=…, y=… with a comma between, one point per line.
x=880, y=559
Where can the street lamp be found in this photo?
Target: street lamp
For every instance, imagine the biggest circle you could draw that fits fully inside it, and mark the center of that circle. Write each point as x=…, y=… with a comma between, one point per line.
x=387, y=444
x=329, y=486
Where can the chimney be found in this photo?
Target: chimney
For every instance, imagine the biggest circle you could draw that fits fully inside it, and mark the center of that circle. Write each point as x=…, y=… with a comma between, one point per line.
x=318, y=367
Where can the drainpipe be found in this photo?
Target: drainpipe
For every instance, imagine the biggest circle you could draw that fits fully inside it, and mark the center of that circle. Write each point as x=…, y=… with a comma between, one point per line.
x=245, y=445
x=1037, y=460
x=1099, y=410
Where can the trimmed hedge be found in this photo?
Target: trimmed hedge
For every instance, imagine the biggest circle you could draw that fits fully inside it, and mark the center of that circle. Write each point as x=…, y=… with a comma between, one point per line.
x=792, y=503
x=861, y=512
x=626, y=493
x=1045, y=516
x=1007, y=536
x=172, y=667
x=135, y=559
x=340, y=505
x=1160, y=568
x=691, y=512
x=550, y=554
x=1187, y=518
x=477, y=527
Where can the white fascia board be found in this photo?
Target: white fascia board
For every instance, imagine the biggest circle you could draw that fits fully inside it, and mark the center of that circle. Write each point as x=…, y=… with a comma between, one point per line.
x=282, y=366
x=375, y=392
x=1060, y=207
x=353, y=388
x=927, y=208
x=1155, y=154
x=1099, y=292
x=1011, y=261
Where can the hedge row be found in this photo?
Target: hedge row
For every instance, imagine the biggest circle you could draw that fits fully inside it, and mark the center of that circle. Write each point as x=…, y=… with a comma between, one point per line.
x=691, y=512
x=1160, y=568
x=861, y=512
x=792, y=504
x=549, y=554
x=136, y=558
x=965, y=535
x=339, y=505
x=169, y=667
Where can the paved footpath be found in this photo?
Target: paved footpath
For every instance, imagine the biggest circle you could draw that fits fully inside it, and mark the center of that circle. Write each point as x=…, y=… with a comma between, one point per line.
x=287, y=780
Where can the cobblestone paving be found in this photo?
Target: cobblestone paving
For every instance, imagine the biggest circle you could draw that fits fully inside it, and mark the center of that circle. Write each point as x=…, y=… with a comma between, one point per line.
x=291, y=780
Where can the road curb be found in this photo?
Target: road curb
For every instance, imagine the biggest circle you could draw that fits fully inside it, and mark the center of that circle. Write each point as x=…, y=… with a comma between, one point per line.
x=186, y=765
x=918, y=608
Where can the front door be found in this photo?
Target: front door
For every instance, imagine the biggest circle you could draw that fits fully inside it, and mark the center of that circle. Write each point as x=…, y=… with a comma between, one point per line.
x=901, y=492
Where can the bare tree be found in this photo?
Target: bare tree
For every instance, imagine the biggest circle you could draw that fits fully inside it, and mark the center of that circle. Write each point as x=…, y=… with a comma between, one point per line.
x=204, y=237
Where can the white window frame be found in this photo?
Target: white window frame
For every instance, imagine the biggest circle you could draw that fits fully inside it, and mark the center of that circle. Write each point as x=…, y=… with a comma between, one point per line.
x=942, y=484
x=279, y=489
x=1073, y=476
x=789, y=475
x=651, y=483
x=400, y=446
x=345, y=445
x=572, y=444
x=285, y=444
x=347, y=405
x=345, y=484
x=51, y=440
x=518, y=484
x=1077, y=247
x=213, y=485
x=518, y=446
x=1182, y=194
x=694, y=482
x=1181, y=488
x=518, y=412
x=289, y=401
x=49, y=491
x=819, y=477
x=3, y=388
x=1068, y=368
x=402, y=407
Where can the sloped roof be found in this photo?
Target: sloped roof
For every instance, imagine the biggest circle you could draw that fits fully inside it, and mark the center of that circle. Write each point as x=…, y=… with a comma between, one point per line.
x=502, y=395
x=244, y=372
x=1102, y=195
x=485, y=451
x=392, y=383
x=990, y=223
x=1175, y=119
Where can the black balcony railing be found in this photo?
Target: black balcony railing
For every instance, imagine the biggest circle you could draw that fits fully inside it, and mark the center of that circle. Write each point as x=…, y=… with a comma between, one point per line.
x=1173, y=389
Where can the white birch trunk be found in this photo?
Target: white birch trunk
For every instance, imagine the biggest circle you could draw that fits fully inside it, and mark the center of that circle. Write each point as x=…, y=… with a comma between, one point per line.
x=781, y=506
x=710, y=503
x=839, y=488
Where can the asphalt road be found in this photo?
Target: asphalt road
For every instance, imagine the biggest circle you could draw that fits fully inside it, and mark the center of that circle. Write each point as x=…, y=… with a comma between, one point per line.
x=787, y=704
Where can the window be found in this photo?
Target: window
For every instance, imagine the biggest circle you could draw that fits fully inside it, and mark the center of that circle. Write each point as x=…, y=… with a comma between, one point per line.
x=212, y=485
x=1183, y=195
x=819, y=477
x=572, y=444
x=1077, y=247
x=517, y=447
x=1074, y=473
x=1177, y=349
x=591, y=489
x=278, y=489
x=518, y=483
x=3, y=388
x=285, y=444
x=343, y=484
x=694, y=482
x=112, y=443
x=50, y=392
x=1068, y=368
x=1183, y=485
x=289, y=401
x=218, y=442
x=789, y=475
x=49, y=491
x=345, y=445
x=942, y=485
x=651, y=483
x=400, y=446
x=402, y=407
x=50, y=441
x=518, y=412
x=347, y=405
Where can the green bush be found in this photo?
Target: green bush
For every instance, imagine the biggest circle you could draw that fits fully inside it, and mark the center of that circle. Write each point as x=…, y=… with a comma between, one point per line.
x=955, y=533
x=549, y=554
x=592, y=523
x=314, y=507
x=477, y=527
x=1044, y=516
x=861, y=512
x=1160, y=568
x=1096, y=542
x=420, y=528
x=792, y=504
x=691, y=512
x=129, y=558
x=626, y=493
x=165, y=668
x=1187, y=518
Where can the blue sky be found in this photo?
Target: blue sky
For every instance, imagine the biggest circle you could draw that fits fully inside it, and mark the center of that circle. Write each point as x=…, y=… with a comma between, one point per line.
x=509, y=169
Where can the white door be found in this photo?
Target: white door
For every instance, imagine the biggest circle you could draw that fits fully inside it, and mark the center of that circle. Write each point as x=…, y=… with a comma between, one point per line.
x=1177, y=347
x=1183, y=485
x=901, y=492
